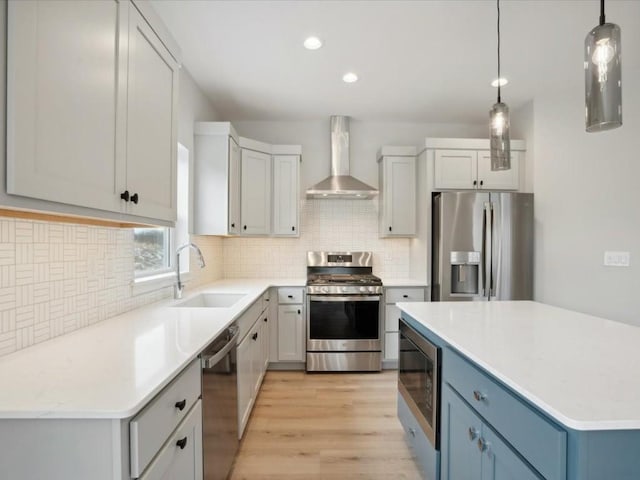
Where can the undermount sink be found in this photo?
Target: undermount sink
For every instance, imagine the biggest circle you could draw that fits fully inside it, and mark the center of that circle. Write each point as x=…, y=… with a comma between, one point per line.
x=212, y=300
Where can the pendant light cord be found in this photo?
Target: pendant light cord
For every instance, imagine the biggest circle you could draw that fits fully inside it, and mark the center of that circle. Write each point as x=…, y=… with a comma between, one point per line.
x=499, y=79
x=601, y=12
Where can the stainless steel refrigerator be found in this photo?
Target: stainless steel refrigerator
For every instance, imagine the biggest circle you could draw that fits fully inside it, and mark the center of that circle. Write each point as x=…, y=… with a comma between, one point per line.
x=482, y=246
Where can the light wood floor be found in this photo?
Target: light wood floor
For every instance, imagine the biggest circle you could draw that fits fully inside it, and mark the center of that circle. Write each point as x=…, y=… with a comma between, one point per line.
x=325, y=426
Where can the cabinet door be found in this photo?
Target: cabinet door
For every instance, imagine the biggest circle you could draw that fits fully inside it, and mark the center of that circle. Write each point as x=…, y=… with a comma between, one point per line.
x=286, y=194
x=461, y=429
x=499, y=462
x=234, y=187
x=66, y=63
x=181, y=456
x=501, y=179
x=255, y=193
x=391, y=340
x=291, y=333
x=455, y=169
x=399, y=196
x=245, y=383
x=266, y=339
x=152, y=102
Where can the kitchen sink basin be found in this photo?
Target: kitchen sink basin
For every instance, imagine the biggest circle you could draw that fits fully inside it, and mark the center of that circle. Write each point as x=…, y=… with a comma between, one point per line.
x=212, y=300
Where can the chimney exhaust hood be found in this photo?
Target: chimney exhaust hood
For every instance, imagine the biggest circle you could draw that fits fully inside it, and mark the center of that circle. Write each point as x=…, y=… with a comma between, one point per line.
x=340, y=184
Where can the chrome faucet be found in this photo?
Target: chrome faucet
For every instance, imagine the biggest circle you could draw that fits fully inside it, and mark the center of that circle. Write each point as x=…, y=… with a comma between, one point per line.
x=179, y=286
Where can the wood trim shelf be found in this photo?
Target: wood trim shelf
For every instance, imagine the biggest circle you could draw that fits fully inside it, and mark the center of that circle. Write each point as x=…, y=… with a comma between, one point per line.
x=52, y=217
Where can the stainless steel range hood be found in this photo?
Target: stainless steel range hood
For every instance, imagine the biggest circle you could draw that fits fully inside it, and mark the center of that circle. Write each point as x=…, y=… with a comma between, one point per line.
x=340, y=184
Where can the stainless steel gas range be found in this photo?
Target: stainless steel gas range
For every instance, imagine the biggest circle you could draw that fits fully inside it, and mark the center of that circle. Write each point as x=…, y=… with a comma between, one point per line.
x=343, y=312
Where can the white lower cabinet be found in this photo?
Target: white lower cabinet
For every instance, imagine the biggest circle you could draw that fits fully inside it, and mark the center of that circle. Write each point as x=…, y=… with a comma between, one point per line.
x=143, y=446
x=181, y=456
x=252, y=359
x=392, y=318
x=291, y=334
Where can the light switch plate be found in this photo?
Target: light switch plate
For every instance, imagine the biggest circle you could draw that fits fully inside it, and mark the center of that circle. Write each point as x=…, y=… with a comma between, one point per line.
x=617, y=259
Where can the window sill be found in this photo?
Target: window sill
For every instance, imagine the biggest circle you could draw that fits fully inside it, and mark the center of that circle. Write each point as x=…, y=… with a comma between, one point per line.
x=152, y=283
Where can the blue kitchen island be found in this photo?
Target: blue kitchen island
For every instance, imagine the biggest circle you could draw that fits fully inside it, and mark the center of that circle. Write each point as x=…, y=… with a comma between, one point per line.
x=530, y=391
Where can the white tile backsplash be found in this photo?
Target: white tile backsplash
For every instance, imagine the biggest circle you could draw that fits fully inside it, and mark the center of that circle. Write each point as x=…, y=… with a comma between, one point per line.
x=325, y=225
x=58, y=277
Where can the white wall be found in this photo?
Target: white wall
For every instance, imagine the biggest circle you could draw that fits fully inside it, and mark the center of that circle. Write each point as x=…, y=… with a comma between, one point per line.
x=587, y=201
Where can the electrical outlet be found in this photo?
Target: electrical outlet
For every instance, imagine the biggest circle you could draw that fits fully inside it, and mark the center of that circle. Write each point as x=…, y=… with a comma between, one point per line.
x=617, y=259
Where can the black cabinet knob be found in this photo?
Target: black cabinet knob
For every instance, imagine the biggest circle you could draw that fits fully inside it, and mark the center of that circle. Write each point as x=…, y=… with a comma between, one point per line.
x=125, y=195
x=475, y=182
x=255, y=336
x=233, y=225
x=481, y=182
x=299, y=312
x=181, y=404
x=244, y=228
x=289, y=296
x=134, y=198
x=265, y=319
x=182, y=443
x=390, y=228
x=293, y=229
x=405, y=296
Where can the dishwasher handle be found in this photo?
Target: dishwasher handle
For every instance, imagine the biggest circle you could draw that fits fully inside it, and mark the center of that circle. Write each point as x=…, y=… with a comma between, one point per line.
x=210, y=361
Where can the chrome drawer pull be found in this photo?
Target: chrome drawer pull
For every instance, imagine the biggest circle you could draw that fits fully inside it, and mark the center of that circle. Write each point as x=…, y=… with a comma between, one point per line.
x=479, y=396
x=473, y=434
x=482, y=444
x=412, y=431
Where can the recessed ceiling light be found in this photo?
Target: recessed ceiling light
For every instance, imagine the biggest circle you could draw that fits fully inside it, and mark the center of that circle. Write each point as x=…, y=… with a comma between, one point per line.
x=499, y=81
x=350, y=77
x=312, y=43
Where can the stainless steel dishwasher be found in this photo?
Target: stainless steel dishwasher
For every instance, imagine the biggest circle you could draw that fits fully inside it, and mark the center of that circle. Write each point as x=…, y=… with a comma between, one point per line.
x=220, y=405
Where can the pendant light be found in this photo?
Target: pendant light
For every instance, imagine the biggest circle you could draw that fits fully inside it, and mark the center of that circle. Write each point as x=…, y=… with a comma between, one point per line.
x=500, y=143
x=602, y=75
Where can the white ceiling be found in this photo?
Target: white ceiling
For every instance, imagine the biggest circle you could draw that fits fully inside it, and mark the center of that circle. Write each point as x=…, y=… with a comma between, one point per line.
x=418, y=61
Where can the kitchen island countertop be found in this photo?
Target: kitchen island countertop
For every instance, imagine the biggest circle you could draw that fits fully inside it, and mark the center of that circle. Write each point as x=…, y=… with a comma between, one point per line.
x=113, y=368
x=579, y=369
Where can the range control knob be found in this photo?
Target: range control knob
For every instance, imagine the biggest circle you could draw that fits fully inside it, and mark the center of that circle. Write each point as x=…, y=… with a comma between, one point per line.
x=324, y=289
x=372, y=289
x=363, y=289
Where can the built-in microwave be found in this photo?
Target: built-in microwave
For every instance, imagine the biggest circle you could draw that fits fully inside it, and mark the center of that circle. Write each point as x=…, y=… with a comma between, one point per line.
x=419, y=380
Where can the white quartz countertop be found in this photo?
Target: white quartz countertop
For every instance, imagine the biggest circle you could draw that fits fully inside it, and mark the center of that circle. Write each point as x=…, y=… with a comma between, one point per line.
x=579, y=369
x=113, y=368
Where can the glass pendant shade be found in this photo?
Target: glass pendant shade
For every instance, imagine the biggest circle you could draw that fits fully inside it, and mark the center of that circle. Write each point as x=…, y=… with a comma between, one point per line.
x=500, y=142
x=603, y=78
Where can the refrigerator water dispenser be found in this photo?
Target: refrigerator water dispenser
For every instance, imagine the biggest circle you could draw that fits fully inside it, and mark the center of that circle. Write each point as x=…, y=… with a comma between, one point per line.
x=465, y=272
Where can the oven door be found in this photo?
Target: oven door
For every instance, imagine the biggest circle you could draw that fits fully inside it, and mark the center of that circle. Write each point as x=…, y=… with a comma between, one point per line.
x=338, y=323
x=419, y=380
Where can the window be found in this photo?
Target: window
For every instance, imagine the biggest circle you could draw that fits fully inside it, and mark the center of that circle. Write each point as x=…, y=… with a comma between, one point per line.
x=154, y=248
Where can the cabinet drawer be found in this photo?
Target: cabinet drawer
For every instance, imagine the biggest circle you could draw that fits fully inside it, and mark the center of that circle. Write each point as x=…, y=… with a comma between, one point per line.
x=265, y=300
x=289, y=295
x=538, y=440
x=394, y=295
x=248, y=318
x=150, y=428
x=181, y=456
x=425, y=454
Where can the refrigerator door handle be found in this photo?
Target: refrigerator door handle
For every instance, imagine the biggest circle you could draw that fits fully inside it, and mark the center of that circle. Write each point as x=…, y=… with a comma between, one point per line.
x=486, y=245
x=492, y=271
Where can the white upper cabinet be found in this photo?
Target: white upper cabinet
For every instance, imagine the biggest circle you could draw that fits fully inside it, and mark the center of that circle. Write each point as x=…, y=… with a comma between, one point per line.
x=255, y=192
x=461, y=163
x=286, y=194
x=397, y=197
x=64, y=114
x=216, y=179
x=243, y=186
x=152, y=130
x=91, y=108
